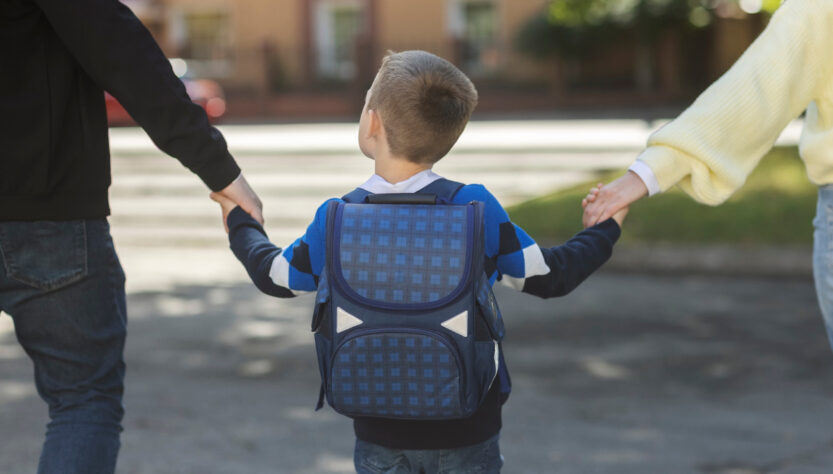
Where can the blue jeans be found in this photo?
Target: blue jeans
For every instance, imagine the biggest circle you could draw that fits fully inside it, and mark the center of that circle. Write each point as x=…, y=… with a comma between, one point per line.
x=63, y=286
x=823, y=256
x=483, y=458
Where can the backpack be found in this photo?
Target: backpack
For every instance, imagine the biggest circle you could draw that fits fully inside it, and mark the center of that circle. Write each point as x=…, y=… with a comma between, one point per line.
x=406, y=324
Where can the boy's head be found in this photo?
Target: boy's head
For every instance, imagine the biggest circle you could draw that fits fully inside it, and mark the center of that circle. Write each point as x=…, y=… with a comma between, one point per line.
x=423, y=104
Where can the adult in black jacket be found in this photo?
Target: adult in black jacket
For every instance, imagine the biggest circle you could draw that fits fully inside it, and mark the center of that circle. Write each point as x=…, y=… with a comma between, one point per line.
x=60, y=279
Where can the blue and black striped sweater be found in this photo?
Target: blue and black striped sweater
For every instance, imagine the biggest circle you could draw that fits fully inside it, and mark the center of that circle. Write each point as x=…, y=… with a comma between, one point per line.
x=512, y=257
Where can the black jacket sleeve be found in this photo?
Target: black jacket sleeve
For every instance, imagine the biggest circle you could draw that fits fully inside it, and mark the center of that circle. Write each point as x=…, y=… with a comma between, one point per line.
x=118, y=52
x=252, y=247
x=575, y=260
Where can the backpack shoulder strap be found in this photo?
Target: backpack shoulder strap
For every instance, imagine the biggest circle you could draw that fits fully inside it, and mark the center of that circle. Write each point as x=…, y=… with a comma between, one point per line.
x=356, y=195
x=442, y=188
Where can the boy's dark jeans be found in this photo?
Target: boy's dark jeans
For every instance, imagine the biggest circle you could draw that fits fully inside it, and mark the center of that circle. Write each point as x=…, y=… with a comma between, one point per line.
x=483, y=458
x=63, y=286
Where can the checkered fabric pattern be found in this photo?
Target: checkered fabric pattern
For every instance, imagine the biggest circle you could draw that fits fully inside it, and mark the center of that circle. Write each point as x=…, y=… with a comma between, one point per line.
x=405, y=254
x=396, y=374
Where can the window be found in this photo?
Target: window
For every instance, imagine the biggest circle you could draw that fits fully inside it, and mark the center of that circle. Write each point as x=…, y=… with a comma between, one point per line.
x=474, y=24
x=208, y=36
x=204, y=40
x=338, y=25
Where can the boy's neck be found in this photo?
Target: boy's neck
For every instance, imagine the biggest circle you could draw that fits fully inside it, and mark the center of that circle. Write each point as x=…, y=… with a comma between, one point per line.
x=395, y=170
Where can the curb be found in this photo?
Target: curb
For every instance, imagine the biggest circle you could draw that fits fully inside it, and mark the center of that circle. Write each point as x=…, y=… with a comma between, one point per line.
x=497, y=136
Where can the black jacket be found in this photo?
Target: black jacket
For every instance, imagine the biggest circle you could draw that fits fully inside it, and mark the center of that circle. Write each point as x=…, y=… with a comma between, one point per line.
x=56, y=59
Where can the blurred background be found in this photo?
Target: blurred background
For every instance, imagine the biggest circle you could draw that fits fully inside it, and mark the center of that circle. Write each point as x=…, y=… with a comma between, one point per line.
x=290, y=59
x=699, y=348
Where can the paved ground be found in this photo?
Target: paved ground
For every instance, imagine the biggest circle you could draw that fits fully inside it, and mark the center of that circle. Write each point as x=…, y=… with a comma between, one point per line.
x=630, y=374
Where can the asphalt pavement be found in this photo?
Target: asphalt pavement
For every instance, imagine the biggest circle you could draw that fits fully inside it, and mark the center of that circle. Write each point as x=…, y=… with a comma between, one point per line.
x=629, y=374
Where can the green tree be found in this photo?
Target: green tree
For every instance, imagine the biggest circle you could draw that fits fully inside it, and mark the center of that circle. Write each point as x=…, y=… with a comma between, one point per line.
x=571, y=28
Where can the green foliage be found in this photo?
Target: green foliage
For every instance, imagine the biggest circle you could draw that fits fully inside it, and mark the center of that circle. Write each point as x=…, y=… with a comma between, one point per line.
x=775, y=206
x=577, y=27
x=770, y=6
x=623, y=13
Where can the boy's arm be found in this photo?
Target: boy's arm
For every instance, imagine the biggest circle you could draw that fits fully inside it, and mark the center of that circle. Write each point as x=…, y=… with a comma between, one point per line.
x=520, y=263
x=569, y=264
x=283, y=273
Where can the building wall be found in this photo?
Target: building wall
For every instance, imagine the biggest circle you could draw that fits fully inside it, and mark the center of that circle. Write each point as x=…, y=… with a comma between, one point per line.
x=410, y=25
x=513, y=16
x=273, y=44
x=427, y=25
x=273, y=33
x=254, y=24
x=268, y=31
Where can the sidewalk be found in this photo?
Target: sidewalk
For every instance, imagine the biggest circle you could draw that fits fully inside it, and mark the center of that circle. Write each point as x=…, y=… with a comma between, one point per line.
x=480, y=136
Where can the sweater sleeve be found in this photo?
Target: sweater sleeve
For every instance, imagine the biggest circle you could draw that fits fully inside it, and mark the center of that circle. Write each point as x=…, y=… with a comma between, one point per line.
x=711, y=148
x=276, y=271
x=514, y=258
x=117, y=51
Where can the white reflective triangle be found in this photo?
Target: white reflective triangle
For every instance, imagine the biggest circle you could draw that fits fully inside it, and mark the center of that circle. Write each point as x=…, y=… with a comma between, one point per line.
x=497, y=363
x=458, y=324
x=345, y=320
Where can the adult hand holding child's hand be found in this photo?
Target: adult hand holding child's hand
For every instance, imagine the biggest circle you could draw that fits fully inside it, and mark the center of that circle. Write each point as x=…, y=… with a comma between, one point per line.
x=226, y=204
x=240, y=193
x=592, y=196
x=606, y=201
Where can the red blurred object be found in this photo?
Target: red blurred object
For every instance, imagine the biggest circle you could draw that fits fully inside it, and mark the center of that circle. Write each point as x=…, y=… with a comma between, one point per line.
x=207, y=93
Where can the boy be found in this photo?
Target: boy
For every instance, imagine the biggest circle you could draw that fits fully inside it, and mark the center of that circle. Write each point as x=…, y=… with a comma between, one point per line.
x=414, y=112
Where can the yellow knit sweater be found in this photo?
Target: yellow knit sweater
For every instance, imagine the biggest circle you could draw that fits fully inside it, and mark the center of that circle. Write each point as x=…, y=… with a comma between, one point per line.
x=712, y=147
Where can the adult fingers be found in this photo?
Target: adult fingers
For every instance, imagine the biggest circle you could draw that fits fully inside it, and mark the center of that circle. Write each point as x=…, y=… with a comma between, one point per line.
x=591, y=212
x=219, y=198
x=244, y=196
x=594, y=208
x=620, y=193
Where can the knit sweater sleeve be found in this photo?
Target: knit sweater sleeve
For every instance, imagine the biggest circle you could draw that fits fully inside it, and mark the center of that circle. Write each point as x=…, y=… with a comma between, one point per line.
x=514, y=258
x=276, y=271
x=711, y=148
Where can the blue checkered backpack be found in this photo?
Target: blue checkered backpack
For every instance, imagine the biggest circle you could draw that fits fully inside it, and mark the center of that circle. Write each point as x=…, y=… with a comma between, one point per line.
x=406, y=325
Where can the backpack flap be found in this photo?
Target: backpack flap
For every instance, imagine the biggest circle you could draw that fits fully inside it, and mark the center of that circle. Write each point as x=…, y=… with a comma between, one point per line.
x=403, y=257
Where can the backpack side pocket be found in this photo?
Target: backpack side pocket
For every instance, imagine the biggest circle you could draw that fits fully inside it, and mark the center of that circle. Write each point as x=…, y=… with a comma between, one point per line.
x=486, y=355
x=323, y=348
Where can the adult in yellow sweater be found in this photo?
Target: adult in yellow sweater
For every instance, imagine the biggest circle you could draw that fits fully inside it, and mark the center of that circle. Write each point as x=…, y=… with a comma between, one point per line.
x=711, y=148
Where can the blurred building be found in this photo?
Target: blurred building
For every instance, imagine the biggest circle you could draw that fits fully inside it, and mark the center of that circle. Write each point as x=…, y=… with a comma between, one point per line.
x=316, y=57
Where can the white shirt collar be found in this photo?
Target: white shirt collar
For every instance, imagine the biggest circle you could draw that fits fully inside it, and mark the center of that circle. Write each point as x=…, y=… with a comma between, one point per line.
x=377, y=184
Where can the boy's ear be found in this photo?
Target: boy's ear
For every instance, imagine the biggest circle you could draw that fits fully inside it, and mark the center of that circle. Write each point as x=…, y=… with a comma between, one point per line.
x=374, y=126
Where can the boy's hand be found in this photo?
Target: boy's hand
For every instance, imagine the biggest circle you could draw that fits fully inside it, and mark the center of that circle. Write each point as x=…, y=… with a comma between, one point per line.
x=226, y=204
x=619, y=216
